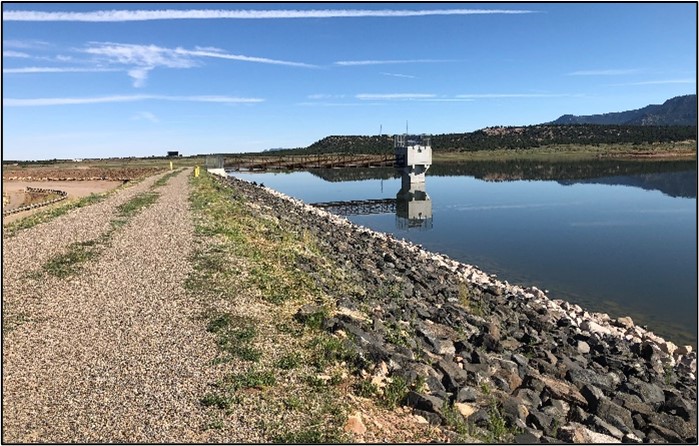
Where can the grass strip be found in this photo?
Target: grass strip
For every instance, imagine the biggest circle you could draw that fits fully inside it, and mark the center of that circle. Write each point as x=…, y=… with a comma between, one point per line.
x=136, y=204
x=70, y=262
x=244, y=253
x=165, y=178
x=46, y=215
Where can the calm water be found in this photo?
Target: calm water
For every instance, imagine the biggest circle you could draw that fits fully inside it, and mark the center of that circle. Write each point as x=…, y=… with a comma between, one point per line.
x=617, y=238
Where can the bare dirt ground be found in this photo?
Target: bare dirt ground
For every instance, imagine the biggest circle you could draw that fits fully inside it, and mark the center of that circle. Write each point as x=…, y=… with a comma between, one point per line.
x=14, y=190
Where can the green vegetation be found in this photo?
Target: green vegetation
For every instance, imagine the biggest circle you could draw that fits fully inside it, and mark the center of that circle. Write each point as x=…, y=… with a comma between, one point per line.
x=71, y=262
x=456, y=422
x=525, y=138
x=246, y=277
x=564, y=135
x=78, y=253
x=366, y=389
x=11, y=320
x=234, y=336
x=474, y=304
x=136, y=204
x=49, y=214
x=251, y=379
x=289, y=361
x=297, y=387
x=219, y=401
x=165, y=178
x=498, y=431
x=395, y=392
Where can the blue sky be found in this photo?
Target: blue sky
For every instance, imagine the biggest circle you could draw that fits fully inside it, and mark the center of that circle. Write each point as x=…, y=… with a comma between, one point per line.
x=138, y=79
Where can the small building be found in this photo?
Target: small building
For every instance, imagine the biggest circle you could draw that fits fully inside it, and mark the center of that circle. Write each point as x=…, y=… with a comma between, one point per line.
x=173, y=154
x=413, y=155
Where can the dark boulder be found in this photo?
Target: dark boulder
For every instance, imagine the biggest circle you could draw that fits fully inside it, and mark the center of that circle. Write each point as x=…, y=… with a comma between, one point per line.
x=541, y=421
x=454, y=376
x=528, y=397
x=601, y=426
x=428, y=403
x=649, y=393
x=676, y=405
x=467, y=395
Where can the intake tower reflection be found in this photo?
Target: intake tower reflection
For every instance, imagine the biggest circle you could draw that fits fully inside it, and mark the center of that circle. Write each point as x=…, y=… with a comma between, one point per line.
x=412, y=205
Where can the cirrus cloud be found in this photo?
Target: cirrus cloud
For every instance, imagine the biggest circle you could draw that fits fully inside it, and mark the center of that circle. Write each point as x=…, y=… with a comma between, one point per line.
x=41, y=102
x=145, y=58
x=123, y=15
x=394, y=96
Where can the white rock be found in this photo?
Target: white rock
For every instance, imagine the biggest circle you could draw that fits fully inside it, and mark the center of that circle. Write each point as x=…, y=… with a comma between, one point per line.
x=595, y=437
x=667, y=347
x=625, y=322
x=594, y=327
x=466, y=410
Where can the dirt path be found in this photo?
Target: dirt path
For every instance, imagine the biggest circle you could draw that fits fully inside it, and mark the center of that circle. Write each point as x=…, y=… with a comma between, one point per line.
x=115, y=353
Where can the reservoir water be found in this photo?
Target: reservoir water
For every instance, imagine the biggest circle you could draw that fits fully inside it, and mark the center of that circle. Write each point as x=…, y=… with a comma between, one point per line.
x=615, y=237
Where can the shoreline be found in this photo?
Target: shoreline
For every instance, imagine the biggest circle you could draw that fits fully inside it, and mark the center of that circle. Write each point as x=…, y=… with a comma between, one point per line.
x=596, y=378
x=471, y=273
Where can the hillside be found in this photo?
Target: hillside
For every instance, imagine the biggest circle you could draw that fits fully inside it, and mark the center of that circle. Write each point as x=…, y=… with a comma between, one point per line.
x=680, y=110
x=494, y=138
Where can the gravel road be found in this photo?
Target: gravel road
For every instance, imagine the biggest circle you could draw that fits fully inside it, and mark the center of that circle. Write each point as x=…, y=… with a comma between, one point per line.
x=115, y=353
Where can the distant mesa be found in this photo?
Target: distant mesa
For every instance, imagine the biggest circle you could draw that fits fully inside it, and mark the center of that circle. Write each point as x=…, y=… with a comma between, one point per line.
x=673, y=121
x=680, y=110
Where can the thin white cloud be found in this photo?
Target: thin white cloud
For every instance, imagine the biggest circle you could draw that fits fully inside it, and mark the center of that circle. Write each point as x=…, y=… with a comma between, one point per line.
x=394, y=96
x=29, y=70
x=445, y=100
x=145, y=116
x=121, y=15
x=335, y=104
x=350, y=63
x=24, y=44
x=609, y=72
x=406, y=76
x=377, y=99
x=513, y=95
x=215, y=53
x=326, y=96
x=658, y=82
x=139, y=76
x=145, y=58
x=139, y=55
x=40, y=102
x=10, y=53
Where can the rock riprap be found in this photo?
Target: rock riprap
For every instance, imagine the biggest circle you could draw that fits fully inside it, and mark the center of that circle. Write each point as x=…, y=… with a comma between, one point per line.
x=554, y=371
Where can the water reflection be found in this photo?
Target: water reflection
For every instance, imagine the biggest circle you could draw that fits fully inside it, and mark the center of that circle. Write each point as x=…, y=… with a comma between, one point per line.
x=590, y=233
x=413, y=205
x=672, y=178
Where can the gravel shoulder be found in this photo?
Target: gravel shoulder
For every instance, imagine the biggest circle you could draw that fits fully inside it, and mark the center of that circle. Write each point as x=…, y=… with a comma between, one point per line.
x=115, y=353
